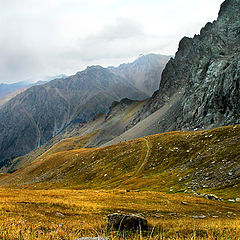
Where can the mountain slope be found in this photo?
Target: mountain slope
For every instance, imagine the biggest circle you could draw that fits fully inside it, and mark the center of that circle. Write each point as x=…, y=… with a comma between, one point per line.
x=39, y=113
x=11, y=95
x=102, y=129
x=206, y=69
x=178, y=160
x=144, y=73
x=6, y=89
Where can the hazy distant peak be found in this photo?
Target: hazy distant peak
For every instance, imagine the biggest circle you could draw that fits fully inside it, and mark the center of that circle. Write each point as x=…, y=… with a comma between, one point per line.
x=144, y=73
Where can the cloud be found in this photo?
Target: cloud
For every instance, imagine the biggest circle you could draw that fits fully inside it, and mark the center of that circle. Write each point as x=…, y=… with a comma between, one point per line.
x=41, y=37
x=122, y=28
x=124, y=37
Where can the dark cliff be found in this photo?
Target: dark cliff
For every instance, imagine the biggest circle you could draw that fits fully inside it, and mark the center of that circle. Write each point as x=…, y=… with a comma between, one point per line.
x=206, y=72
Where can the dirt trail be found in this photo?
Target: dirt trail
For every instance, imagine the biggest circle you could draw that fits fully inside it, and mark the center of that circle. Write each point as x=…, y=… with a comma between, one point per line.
x=149, y=147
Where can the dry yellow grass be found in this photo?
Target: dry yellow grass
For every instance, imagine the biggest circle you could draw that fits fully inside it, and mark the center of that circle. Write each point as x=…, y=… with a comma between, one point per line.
x=68, y=214
x=67, y=193
x=152, y=163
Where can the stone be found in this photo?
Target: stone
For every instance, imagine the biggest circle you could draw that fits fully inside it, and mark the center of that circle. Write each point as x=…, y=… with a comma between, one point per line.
x=131, y=222
x=211, y=197
x=237, y=199
x=199, y=217
x=59, y=214
x=90, y=238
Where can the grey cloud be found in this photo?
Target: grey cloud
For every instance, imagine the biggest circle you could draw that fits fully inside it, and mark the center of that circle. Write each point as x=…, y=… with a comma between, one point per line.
x=40, y=37
x=122, y=28
x=124, y=37
x=17, y=61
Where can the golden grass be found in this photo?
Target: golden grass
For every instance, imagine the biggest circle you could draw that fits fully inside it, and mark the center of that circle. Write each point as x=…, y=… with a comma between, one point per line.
x=53, y=146
x=69, y=214
x=67, y=193
x=151, y=163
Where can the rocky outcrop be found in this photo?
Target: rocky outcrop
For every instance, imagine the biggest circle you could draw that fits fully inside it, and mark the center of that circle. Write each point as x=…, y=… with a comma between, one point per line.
x=41, y=112
x=206, y=69
x=90, y=238
x=131, y=222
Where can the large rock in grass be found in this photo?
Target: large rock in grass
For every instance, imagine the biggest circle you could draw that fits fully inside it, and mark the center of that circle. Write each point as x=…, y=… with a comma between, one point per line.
x=95, y=238
x=131, y=222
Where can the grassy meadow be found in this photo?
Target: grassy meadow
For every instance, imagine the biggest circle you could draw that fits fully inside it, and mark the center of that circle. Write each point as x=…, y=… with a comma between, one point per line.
x=69, y=214
x=67, y=193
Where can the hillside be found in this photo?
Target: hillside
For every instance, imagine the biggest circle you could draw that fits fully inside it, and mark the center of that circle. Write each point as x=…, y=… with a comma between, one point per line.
x=178, y=161
x=102, y=129
x=41, y=112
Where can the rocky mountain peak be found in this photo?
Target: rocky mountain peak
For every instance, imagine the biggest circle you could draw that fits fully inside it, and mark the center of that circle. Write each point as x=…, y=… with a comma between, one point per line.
x=229, y=9
x=95, y=68
x=206, y=71
x=144, y=73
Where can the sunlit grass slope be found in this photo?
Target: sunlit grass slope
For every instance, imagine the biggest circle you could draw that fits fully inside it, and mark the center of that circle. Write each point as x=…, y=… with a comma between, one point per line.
x=54, y=145
x=174, y=161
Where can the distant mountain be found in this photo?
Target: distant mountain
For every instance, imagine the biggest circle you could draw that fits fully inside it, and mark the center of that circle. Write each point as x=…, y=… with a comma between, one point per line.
x=199, y=89
x=10, y=90
x=36, y=115
x=6, y=89
x=144, y=73
x=11, y=95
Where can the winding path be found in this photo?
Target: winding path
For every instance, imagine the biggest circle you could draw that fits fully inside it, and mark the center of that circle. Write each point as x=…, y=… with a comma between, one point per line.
x=149, y=146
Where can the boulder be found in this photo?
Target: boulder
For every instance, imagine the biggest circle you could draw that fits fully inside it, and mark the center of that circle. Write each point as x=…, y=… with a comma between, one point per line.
x=131, y=222
x=90, y=238
x=212, y=197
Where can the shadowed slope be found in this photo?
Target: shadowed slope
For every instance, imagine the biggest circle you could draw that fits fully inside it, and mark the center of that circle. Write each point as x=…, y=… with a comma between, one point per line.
x=36, y=115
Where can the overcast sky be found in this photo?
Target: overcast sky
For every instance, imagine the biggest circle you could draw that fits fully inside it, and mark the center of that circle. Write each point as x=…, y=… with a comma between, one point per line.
x=48, y=37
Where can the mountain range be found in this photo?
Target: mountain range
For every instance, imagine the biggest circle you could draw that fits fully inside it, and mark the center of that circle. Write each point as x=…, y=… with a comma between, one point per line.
x=199, y=89
x=10, y=90
x=41, y=112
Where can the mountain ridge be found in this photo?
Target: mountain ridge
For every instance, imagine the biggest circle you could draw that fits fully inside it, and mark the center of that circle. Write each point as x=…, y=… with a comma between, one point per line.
x=144, y=73
x=43, y=111
x=206, y=68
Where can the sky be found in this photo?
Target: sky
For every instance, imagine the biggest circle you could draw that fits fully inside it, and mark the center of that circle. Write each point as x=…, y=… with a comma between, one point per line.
x=40, y=38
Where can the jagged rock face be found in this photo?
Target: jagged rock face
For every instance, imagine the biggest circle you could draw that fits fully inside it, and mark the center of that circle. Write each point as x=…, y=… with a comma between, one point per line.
x=207, y=69
x=39, y=113
x=144, y=73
